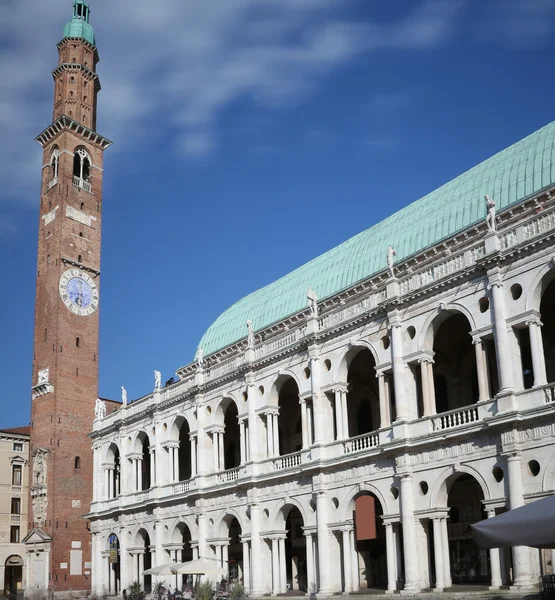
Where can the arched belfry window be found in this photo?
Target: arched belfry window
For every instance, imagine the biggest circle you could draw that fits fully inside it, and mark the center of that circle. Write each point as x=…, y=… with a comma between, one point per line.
x=54, y=163
x=81, y=169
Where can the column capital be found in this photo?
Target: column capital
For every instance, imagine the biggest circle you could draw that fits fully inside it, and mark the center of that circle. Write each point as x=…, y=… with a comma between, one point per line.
x=512, y=455
x=533, y=321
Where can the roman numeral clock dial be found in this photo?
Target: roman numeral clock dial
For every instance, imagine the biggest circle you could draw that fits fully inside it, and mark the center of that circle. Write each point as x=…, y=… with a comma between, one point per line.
x=79, y=292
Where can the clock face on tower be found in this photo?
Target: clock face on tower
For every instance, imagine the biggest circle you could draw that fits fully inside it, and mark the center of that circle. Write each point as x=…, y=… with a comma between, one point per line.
x=79, y=292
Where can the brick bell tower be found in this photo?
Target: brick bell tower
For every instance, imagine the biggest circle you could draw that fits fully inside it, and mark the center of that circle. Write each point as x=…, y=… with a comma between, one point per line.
x=65, y=360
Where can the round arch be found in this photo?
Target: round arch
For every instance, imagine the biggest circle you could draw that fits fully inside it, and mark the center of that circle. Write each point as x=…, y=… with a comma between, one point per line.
x=110, y=452
x=440, y=489
x=279, y=381
x=223, y=405
x=281, y=511
x=436, y=319
x=175, y=424
x=355, y=346
x=347, y=505
x=224, y=520
x=544, y=276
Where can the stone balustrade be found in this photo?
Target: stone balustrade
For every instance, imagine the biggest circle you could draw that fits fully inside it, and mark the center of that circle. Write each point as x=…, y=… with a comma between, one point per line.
x=455, y=418
x=287, y=462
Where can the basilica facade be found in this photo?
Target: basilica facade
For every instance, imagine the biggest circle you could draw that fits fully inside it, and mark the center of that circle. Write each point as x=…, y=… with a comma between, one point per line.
x=341, y=428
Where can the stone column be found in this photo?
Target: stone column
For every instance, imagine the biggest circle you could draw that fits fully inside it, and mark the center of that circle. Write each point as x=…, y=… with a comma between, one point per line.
x=202, y=535
x=256, y=570
x=193, y=441
x=246, y=568
x=385, y=417
x=438, y=554
x=152, y=467
x=398, y=368
x=98, y=493
x=522, y=577
x=242, y=440
x=139, y=472
x=126, y=571
x=141, y=567
x=270, y=433
x=391, y=564
x=310, y=575
x=355, y=579
x=502, y=342
x=319, y=435
x=338, y=415
x=203, y=453
x=275, y=567
x=426, y=403
x=495, y=561
x=176, y=462
x=347, y=569
x=482, y=370
x=225, y=556
x=110, y=476
x=409, y=534
x=221, y=449
x=215, y=450
x=324, y=587
x=254, y=422
x=446, y=556
x=344, y=414
x=276, y=434
x=282, y=568
x=304, y=423
x=431, y=388
x=536, y=347
x=310, y=417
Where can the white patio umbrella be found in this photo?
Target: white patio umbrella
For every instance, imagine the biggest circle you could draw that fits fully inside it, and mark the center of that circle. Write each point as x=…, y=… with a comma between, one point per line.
x=530, y=525
x=201, y=566
x=167, y=569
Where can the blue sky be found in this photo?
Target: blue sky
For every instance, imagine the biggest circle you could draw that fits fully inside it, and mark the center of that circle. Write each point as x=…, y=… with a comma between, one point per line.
x=249, y=137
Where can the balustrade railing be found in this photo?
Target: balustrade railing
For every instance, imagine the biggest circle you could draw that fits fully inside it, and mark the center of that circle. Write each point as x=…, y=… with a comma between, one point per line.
x=456, y=418
x=142, y=496
x=181, y=487
x=82, y=184
x=361, y=442
x=287, y=461
x=549, y=394
x=229, y=475
x=15, y=518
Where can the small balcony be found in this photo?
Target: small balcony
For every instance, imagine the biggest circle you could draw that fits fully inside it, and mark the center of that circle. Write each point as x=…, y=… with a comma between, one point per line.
x=82, y=184
x=15, y=518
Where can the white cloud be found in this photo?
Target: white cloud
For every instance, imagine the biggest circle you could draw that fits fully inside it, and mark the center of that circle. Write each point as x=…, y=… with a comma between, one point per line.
x=186, y=60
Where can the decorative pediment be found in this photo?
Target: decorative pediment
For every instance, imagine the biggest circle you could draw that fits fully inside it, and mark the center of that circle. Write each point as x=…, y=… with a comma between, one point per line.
x=37, y=536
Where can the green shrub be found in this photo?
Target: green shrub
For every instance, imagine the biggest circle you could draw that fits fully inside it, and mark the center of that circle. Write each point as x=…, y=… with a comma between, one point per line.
x=204, y=590
x=237, y=591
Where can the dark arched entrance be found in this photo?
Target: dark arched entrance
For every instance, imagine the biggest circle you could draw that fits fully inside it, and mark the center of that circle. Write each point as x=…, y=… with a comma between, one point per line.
x=232, y=437
x=184, y=452
x=363, y=409
x=290, y=424
x=13, y=576
x=295, y=551
x=547, y=310
x=114, y=562
x=370, y=542
x=455, y=376
x=469, y=564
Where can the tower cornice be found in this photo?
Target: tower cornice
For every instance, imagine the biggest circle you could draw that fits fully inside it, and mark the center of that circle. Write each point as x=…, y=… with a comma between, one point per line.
x=78, y=67
x=85, y=42
x=64, y=123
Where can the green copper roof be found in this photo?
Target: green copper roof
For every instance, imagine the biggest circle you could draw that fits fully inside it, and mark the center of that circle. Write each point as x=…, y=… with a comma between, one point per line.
x=508, y=177
x=79, y=26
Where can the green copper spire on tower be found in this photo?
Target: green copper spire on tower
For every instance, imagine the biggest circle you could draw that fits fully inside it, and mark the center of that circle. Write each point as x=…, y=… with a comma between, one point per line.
x=79, y=26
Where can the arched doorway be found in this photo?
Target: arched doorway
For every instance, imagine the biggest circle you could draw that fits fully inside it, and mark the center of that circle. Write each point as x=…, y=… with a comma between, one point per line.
x=289, y=420
x=363, y=408
x=144, y=481
x=454, y=369
x=184, y=452
x=113, y=459
x=144, y=558
x=547, y=311
x=370, y=544
x=114, y=565
x=181, y=551
x=235, y=553
x=232, y=437
x=295, y=550
x=13, y=576
x=469, y=564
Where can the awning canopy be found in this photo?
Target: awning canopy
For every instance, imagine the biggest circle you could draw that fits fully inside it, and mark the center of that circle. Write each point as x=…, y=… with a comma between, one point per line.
x=530, y=525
